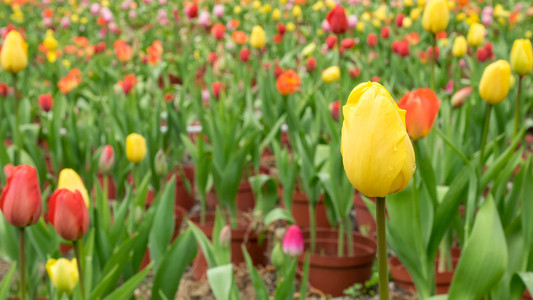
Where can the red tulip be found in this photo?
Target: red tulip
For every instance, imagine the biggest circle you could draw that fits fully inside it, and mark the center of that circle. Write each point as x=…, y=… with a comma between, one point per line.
x=372, y=40
x=482, y=54
x=217, y=87
x=399, y=20
x=331, y=41
x=337, y=20
x=334, y=109
x=46, y=102
x=244, y=55
x=311, y=64
x=489, y=48
x=3, y=89
x=192, y=11
x=288, y=82
x=281, y=28
x=277, y=71
x=355, y=72
x=68, y=214
x=385, y=32
x=421, y=108
x=99, y=48
x=212, y=57
x=348, y=43
x=401, y=48
x=21, y=201
x=278, y=38
x=218, y=30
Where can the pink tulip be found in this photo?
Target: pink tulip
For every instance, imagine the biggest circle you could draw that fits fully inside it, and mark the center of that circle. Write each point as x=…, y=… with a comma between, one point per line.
x=293, y=242
x=218, y=10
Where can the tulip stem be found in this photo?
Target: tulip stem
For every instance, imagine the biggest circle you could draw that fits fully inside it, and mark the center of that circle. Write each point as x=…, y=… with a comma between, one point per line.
x=484, y=138
x=312, y=224
x=17, y=155
x=22, y=260
x=382, y=250
x=432, y=59
x=517, y=108
x=80, y=272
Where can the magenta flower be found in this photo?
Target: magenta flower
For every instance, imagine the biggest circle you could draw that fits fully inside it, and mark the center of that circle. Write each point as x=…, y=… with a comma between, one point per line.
x=293, y=242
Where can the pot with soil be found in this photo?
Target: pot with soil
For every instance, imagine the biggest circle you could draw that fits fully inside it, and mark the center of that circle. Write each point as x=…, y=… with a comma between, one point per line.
x=443, y=279
x=239, y=236
x=332, y=274
x=300, y=210
x=184, y=196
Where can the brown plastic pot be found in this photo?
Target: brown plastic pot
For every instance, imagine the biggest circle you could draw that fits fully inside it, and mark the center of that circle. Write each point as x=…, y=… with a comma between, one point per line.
x=300, y=211
x=183, y=197
x=179, y=215
x=443, y=280
x=333, y=274
x=239, y=236
x=364, y=219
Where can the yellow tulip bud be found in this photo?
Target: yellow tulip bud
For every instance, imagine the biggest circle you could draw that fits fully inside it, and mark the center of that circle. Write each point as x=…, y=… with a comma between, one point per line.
x=70, y=180
x=436, y=16
x=495, y=82
x=135, y=147
x=50, y=42
x=330, y=4
x=459, y=46
x=377, y=153
x=407, y=22
x=408, y=3
x=376, y=23
x=308, y=50
x=529, y=34
x=472, y=19
x=331, y=74
x=476, y=35
x=66, y=63
x=256, y=4
x=75, y=18
x=365, y=16
x=381, y=13
x=266, y=8
x=296, y=11
x=360, y=26
x=257, y=37
x=14, y=55
x=63, y=274
x=237, y=9
x=276, y=14
x=319, y=5
x=291, y=26
x=415, y=13
x=84, y=20
x=51, y=56
x=460, y=16
x=522, y=57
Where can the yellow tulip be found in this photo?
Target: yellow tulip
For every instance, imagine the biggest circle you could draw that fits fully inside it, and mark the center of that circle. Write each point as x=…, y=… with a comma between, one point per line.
x=256, y=4
x=319, y=5
x=495, y=82
x=460, y=16
x=276, y=14
x=459, y=46
x=237, y=9
x=360, y=26
x=135, y=147
x=291, y=26
x=522, y=57
x=415, y=13
x=63, y=274
x=377, y=153
x=330, y=4
x=70, y=180
x=297, y=11
x=366, y=16
x=49, y=41
x=14, y=55
x=529, y=34
x=472, y=19
x=308, y=50
x=266, y=8
x=436, y=16
x=408, y=3
x=331, y=74
x=257, y=37
x=407, y=22
x=476, y=35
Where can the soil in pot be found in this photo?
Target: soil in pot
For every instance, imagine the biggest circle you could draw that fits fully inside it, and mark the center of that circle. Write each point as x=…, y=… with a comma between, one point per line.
x=184, y=198
x=332, y=274
x=239, y=236
x=443, y=280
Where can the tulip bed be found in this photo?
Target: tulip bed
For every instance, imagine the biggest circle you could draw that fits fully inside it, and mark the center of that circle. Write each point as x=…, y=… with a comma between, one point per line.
x=291, y=149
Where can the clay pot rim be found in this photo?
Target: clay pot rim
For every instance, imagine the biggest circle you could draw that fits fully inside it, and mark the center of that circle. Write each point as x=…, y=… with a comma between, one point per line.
x=237, y=234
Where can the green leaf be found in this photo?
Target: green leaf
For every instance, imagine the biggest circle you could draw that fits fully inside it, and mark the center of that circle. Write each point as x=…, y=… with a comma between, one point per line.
x=261, y=291
x=163, y=227
x=174, y=263
x=100, y=289
x=221, y=281
x=285, y=290
x=5, y=284
x=519, y=282
x=126, y=290
x=484, y=257
x=278, y=214
x=205, y=244
x=305, y=278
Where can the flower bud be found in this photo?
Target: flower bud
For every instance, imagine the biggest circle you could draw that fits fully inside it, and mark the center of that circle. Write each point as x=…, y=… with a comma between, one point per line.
x=46, y=102
x=21, y=202
x=161, y=164
x=258, y=37
x=522, y=57
x=68, y=214
x=459, y=46
x=277, y=257
x=495, y=82
x=460, y=96
x=331, y=74
x=135, y=147
x=224, y=238
x=63, y=274
x=436, y=16
x=107, y=159
x=293, y=242
x=476, y=35
x=14, y=53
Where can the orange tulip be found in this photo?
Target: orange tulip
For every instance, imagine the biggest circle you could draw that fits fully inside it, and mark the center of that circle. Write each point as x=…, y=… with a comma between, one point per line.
x=422, y=107
x=288, y=82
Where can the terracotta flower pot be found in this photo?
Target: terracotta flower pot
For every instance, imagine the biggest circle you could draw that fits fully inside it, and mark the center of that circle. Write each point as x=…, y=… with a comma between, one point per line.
x=526, y=296
x=245, y=198
x=239, y=236
x=179, y=215
x=363, y=217
x=183, y=197
x=300, y=211
x=401, y=276
x=332, y=274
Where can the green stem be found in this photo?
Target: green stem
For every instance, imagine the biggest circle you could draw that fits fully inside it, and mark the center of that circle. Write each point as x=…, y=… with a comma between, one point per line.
x=349, y=236
x=432, y=59
x=484, y=138
x=80, y=272
x=22, y=260
x=382, y=250
x=340, y=247
x=517, y=108
x=312, y=223
x=17, y=157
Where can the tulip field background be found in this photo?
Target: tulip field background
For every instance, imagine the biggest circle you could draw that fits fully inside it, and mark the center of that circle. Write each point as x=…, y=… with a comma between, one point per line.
x=284, y=149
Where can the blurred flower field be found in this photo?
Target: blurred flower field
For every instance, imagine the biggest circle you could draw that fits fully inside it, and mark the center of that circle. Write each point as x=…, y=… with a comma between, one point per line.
x=284, y=149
